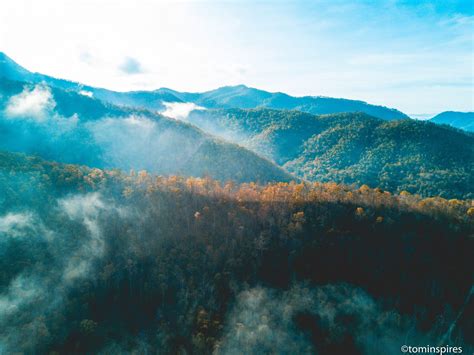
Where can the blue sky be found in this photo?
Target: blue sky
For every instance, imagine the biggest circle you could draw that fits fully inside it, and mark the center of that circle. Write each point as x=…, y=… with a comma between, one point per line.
x=416, y=56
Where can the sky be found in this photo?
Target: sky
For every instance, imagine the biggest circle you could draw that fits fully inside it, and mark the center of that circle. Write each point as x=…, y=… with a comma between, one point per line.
x=416, y=56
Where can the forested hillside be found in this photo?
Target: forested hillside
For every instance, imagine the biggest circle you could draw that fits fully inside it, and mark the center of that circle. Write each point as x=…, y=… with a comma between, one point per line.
x=205, y=177
x=419, y=157
x=461, y=120
x=96, y=261
x=124, y=231
x=69, y=127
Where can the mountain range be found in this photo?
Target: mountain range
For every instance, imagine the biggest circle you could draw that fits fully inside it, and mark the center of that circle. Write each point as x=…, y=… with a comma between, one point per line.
x=313, y=138
x=239, y=96
x=251, y=222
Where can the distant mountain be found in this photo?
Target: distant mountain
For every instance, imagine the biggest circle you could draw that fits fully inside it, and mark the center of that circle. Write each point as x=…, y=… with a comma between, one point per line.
x=461, y=120
x=419, y=157
x=244, y=97
x=13, y=71
x=239, y=96
x=65, y=126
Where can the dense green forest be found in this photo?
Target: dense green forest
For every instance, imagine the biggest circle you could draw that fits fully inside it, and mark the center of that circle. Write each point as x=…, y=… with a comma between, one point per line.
x=69, y=127
x=99, y=261
x=354, y=148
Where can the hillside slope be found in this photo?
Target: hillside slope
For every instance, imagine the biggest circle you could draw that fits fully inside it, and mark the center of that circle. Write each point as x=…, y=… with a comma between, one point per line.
x=419, y=157
x=461, y=120
x=73, y=128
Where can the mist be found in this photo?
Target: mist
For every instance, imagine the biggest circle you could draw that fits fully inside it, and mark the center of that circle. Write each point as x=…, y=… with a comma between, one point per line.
x=337, y=318
x=180, y=110
x=75, y=128
x=16, y=224
x=33, y=300
x=219, y=127
x=139, y=142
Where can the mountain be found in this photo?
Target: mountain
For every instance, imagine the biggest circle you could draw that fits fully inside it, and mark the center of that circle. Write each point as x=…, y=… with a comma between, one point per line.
x=344, y=147
x=100, y=262
x=66, y=126
x=244, y=97
x=152, y=100
x=239, y=96
x=214, y=249
x=461, y=120
x=13, y=71
x=419, y=157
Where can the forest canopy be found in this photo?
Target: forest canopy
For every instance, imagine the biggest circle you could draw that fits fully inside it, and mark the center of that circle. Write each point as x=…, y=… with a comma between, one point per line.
x=102, y=261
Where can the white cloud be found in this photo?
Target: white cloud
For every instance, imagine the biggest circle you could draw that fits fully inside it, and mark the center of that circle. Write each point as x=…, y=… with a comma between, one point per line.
x=31, y=103
x=86, y=93
x=179, y=110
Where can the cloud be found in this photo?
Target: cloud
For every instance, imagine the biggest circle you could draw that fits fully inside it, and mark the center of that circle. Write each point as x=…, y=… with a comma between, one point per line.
x=31, y=103
x=179, y=110
x=15, y=224
x=311, y=319
x=284, y=38
x=131, y=66
x=86, y=57
x=137, y=122
x=33, y=295
x=21, y=291
x=86, y=93
x=263, y=323
x=85, y=209
x=124, y=143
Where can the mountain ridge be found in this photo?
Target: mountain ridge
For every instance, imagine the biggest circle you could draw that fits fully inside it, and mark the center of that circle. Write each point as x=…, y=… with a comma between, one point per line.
x=460, y=120
x=240, y=96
